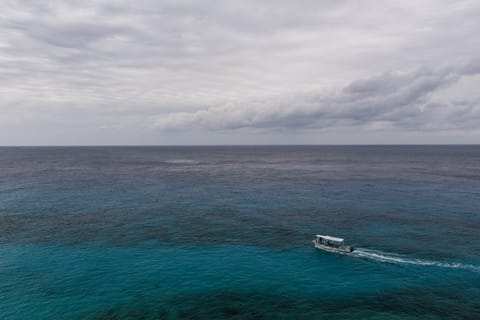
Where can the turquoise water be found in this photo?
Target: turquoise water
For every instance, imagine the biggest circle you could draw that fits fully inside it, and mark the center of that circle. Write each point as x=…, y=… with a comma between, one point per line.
x=225, y=232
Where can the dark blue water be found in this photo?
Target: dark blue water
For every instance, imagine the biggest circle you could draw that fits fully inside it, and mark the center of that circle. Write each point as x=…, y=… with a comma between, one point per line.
x=225, y=232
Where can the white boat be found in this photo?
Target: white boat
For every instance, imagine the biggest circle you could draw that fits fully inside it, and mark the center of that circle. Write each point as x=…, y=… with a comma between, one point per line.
x=332, y=244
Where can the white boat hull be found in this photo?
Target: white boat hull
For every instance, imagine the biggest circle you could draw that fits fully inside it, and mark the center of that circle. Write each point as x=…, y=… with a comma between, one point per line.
x=346, y=249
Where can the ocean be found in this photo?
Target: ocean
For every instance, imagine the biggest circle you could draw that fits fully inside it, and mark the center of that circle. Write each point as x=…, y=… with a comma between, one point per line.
x=225, y=232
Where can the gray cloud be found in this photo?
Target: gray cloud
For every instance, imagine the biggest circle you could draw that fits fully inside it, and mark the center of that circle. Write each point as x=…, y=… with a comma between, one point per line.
x=394, y=99
x=213, y=66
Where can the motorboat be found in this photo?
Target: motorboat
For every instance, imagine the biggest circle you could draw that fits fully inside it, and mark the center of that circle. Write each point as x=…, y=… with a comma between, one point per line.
x=332, y=244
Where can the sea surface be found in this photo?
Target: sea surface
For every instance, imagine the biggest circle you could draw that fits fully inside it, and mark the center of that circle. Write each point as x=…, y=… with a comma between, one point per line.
x=225, y=232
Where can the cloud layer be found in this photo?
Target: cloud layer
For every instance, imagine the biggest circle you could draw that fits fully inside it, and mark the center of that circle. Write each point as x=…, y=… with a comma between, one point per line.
x=87, y=72
x=402, y=100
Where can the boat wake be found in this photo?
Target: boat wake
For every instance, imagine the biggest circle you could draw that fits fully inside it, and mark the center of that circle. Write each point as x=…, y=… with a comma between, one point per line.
x=400, y=259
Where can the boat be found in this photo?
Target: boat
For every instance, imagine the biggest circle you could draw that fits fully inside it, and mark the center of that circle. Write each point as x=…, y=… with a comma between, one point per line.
x=332, y=244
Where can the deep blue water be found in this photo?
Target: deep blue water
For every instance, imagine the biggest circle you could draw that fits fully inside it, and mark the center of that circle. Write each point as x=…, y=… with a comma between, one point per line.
x=225, y=232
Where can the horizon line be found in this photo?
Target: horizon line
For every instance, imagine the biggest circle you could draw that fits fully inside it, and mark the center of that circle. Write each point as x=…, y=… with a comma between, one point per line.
x=235, y=145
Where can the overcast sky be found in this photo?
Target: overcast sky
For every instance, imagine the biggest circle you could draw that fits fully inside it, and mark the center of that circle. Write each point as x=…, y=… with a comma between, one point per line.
x=239, y=72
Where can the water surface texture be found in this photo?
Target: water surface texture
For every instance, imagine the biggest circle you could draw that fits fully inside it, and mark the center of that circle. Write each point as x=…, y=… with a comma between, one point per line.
x=225, y=232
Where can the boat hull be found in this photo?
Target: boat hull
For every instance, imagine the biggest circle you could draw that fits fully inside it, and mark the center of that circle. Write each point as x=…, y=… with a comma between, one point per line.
x=346, y=249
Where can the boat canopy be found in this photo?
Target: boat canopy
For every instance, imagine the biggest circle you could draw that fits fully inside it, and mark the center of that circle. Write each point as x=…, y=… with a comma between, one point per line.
x=330, y=238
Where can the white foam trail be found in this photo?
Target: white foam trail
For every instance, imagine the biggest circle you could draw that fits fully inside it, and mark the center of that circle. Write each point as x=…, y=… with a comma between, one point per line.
x=399, y=259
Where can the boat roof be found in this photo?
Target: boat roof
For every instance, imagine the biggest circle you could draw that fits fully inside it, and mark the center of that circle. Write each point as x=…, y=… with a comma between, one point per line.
x=330, y=238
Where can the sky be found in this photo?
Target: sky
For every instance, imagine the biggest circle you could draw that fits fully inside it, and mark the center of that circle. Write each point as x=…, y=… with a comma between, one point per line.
x=239, y=72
